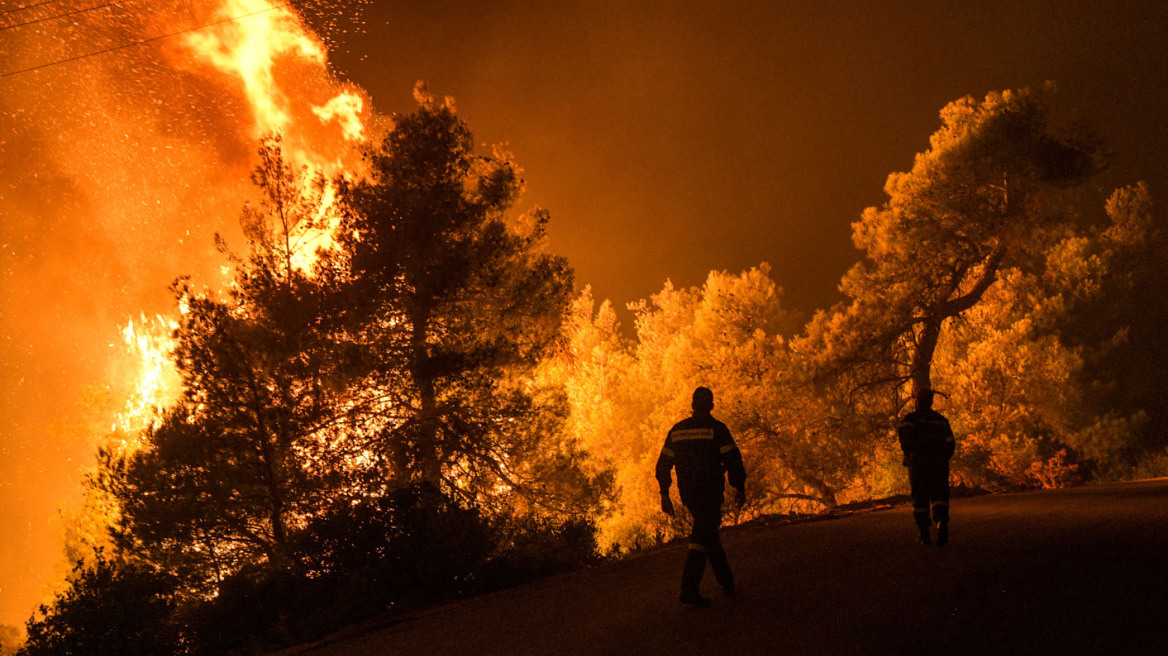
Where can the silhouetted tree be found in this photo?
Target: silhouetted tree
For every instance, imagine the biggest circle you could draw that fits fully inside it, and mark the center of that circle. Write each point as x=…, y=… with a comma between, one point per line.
x=460, y=304
x=246, y=452
x=110, y=608
x=341, y=406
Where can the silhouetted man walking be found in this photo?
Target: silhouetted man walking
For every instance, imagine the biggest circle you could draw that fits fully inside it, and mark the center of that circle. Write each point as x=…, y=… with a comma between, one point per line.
x=927, y=442
x=703, y=452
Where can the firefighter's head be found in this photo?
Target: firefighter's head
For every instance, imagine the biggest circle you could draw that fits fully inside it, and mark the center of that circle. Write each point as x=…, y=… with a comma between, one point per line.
x=703, y=400
x=925, y=399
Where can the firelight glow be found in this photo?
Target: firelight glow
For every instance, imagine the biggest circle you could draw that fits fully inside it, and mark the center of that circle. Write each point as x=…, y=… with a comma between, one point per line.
x=174, y=151
x=666, y=139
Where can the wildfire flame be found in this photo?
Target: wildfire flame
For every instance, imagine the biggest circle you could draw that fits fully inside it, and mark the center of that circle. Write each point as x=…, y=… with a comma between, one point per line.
x=346, y=109
x=157, y=383
x=248, y=50
x=118, y=170
x=282, y=71
x=279, y=67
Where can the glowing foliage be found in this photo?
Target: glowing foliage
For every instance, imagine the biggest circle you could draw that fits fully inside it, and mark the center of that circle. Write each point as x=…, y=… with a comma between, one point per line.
x=728, y=335
x=1016, y=364
x=978, y=262
x=982, y=238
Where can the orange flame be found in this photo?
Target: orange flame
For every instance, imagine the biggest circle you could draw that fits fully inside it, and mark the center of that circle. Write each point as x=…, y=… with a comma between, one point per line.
x=346, y=110
x=156, y=384
x=281, y=70
x=119, y=169
x=279, y=67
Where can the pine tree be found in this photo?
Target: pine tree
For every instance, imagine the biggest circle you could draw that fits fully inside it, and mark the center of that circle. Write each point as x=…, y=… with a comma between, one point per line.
x=991, y=192
x=460, y=303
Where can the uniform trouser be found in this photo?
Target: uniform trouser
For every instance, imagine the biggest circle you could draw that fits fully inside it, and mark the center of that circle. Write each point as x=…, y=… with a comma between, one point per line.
x=704, y=543
x=929, y=483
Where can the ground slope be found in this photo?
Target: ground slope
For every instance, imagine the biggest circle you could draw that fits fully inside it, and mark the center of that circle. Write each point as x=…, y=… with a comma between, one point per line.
x=1079, y=571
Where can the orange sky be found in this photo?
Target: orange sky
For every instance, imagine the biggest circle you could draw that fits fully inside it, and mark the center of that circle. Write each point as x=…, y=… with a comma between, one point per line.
x=671, y=138
x=667, y=140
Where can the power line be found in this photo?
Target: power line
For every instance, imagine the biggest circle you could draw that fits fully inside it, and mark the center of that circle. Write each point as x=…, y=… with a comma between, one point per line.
x=35, y=4
x=68, y=13
x=137, y=43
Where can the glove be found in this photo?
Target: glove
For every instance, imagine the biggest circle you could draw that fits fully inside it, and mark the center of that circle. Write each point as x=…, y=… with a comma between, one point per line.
x=666, y=504
x=740, y=497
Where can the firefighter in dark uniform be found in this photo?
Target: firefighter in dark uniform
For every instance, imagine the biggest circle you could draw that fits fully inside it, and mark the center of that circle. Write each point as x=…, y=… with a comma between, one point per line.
x=927, y=442
x=704, y=453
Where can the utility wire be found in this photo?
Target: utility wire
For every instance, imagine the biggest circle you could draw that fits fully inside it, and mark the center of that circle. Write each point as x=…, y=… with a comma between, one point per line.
x=68, y=13
x=137, y=43
x=35, y=4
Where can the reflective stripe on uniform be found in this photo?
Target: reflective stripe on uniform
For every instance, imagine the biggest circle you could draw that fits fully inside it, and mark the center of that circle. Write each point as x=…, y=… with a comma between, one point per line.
x=667, y=452
x=728, y=448
x=692, y=434
x=697, y=547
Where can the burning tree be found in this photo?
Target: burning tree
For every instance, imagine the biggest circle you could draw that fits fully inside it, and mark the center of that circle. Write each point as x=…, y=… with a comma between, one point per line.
x=345, y=397
x=238, y=463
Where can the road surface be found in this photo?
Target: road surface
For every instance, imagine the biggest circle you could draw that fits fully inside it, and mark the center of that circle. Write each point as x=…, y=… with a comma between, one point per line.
x=1078, y=571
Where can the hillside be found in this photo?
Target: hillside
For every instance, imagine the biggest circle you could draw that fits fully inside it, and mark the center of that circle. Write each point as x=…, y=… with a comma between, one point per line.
x=1077, y=571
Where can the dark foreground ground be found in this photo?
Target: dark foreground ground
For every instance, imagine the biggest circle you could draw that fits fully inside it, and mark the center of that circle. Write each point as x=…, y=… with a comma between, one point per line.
x=1080, y=571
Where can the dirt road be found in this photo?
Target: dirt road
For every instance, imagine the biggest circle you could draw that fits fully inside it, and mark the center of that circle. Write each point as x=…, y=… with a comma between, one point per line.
x=1080, y=571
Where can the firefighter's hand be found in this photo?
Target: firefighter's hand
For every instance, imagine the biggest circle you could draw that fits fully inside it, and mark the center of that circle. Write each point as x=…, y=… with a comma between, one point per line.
x=740, y=497
x=666, y=504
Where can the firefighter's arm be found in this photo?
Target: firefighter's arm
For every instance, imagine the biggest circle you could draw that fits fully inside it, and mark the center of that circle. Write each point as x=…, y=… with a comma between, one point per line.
x=732, y=464
x=664, y=476
x=907, y=435
x=950, y=442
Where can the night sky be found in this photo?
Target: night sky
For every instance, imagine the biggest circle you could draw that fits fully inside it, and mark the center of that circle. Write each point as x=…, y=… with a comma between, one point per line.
x=667, y=139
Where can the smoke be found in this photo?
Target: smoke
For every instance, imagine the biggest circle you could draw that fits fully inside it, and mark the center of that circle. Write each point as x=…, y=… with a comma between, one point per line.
x=116, y=170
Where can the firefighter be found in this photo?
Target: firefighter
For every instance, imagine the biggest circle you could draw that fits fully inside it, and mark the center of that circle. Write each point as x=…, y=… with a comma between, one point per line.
x=927, y=442
x=703, y=452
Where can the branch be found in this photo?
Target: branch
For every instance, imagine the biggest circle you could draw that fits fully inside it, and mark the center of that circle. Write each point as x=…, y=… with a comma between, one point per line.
x=988, y=276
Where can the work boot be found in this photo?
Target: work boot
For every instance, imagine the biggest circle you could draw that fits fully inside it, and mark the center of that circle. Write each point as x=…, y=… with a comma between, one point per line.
x=942, y=533
x=923, y=523
x=722, y=572
x=691, y=578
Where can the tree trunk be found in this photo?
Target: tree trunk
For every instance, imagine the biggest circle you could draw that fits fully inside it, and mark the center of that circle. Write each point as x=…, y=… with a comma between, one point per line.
x=276, y=497
x=423, y=374
x=273, y=463
x=922, y=364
